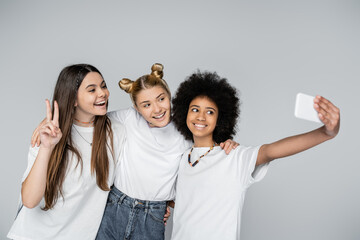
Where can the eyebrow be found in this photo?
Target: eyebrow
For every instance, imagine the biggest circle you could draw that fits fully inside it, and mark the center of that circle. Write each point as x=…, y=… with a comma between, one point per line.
x=146, y=101
x=94, y=85
x=205, y=108
x=160, y=95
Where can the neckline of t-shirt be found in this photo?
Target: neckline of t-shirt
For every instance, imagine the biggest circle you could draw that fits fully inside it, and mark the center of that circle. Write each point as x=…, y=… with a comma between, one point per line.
x=204, y=148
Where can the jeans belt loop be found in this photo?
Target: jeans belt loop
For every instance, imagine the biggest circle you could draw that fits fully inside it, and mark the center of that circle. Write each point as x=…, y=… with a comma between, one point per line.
x=146, y=206
x=122, y=198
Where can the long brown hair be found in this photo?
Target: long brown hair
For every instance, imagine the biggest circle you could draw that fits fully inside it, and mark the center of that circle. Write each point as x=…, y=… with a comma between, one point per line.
x=65, y=94
x=147, y=81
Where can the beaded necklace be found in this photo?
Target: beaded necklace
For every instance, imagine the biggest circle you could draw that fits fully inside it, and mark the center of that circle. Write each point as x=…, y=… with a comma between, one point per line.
x=197, y=161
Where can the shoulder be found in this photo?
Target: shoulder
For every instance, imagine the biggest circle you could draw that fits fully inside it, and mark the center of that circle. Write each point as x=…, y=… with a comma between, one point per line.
x=247, y=149
x=118, y=129
x=121, y=115
x=116, y=125
x=173, y=132
x=242, y=152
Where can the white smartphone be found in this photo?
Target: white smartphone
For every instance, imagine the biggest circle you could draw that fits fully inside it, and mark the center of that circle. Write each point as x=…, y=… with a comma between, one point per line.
x=304, y=108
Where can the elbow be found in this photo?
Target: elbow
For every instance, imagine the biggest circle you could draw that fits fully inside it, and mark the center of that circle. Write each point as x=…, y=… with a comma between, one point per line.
x=29, y=204
x=29, y=201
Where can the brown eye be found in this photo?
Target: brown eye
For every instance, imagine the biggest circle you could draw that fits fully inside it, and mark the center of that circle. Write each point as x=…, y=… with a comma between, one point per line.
x=210, y=112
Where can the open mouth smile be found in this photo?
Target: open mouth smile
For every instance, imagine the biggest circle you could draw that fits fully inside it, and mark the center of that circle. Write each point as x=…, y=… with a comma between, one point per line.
x=199, y=126
x=102, y=103
x=159, y=116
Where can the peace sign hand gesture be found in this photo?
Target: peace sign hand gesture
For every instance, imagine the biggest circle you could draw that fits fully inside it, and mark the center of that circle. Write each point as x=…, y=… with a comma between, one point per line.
x=50, y=133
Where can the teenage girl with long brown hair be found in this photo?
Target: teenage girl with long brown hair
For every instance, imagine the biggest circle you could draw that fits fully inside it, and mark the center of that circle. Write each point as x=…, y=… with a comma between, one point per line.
x=68, y=178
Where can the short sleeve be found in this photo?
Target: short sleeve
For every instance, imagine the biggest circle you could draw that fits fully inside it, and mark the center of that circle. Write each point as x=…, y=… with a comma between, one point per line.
x=33, y=152
x=119, y=137
x=250, y=173
x=119, y=115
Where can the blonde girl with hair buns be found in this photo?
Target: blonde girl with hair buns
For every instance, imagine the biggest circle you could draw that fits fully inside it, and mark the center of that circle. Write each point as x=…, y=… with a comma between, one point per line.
x=145, y=82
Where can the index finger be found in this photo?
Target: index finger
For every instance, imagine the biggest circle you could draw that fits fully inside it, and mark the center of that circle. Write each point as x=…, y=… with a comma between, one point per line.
x=48, y=110
x=56, y=114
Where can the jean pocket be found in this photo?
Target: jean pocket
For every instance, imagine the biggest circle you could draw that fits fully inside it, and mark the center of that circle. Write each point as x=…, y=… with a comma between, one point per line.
x=157, y=213
x=112, y=199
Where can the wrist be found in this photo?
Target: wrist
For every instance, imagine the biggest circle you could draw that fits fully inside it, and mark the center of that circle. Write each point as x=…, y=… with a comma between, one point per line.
x=46, y=149
x=327, y=134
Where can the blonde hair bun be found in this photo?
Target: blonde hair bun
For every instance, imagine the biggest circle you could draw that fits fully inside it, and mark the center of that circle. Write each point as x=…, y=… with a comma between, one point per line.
x=126, y=85
x=157, y=70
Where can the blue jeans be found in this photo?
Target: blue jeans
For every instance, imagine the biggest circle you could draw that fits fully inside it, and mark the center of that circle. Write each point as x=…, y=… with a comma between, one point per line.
x=129, y=218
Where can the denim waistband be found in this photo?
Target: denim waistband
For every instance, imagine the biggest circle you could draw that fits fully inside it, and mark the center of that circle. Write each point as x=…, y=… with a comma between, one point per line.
x=122, y=198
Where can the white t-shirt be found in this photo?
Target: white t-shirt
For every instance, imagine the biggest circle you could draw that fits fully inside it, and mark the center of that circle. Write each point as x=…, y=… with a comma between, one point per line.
x=210, y=196
x=79, y=215
x=150, y=162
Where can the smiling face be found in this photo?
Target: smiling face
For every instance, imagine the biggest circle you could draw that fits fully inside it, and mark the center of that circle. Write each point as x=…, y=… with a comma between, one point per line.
x=201, y=120
x=154, y=105
x=92, y=98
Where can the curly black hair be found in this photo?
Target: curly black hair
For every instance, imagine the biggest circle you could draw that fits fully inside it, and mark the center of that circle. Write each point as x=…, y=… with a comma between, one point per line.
x=219, y=91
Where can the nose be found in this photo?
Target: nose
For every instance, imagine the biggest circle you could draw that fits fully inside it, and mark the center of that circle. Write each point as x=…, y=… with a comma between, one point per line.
x=200, y=116
x=102, y=92
x=156, y=108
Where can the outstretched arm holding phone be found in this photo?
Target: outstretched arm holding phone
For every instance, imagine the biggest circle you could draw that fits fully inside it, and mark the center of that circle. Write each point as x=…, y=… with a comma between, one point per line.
x=328, y=113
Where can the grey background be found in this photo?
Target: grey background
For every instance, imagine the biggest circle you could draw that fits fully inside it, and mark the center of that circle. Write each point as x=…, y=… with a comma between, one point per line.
x=269, y=50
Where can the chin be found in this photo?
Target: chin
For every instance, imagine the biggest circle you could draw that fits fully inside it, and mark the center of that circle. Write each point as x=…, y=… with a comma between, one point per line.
x=161, y=124
x=102, y=113
x=166, y=122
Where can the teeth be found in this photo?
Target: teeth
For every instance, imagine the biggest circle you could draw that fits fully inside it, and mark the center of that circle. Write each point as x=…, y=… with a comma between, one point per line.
x=100, y=103
x=160, y=116
x=199, y=125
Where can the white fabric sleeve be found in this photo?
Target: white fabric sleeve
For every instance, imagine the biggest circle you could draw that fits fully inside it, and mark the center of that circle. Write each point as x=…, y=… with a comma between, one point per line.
x=33, y=152
x=119, y=115
x=119, y=139
x=250, y=171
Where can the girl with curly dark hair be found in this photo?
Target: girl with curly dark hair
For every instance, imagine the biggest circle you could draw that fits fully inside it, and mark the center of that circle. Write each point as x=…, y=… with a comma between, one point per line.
x=211, y=186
